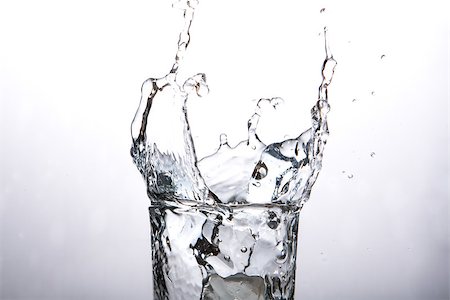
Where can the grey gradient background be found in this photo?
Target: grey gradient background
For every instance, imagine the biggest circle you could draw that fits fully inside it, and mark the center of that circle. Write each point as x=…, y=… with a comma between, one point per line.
x=73, y=210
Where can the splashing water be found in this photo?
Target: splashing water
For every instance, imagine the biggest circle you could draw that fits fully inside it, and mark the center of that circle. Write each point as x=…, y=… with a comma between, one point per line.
x=224, y=226
x=251, y=172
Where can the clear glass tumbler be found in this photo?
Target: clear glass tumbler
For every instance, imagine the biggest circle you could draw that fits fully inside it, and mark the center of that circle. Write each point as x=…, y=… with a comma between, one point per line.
x=243, y=252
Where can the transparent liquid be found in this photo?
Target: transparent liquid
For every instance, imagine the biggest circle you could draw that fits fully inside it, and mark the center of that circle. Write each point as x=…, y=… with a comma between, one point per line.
x=224, y=226
x=240, y=252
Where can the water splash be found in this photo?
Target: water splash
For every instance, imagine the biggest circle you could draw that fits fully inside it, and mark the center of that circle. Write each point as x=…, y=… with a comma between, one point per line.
x=163, y=149
x=235, y=236
x=251, y=172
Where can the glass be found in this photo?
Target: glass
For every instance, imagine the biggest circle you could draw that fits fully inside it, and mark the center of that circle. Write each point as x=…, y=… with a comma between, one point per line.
x=226, y=252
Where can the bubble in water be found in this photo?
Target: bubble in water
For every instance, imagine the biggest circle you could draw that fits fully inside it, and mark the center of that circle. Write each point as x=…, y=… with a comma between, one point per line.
x=260, y=171
x=372, y=154
x=373, y=93
x=354, y=100
x=382, y=56
x=322, y=10
x=244, y=249
x=350, y=176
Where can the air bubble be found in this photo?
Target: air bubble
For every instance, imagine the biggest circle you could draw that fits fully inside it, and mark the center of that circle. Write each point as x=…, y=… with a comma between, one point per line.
x=282, y=257
x=260, y=171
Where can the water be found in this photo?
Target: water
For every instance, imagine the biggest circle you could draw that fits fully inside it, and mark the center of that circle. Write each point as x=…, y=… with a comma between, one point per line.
x=224, y=226
x=237, y=252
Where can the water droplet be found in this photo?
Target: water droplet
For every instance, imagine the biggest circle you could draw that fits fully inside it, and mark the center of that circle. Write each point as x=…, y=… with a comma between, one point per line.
x=383, y=56
x=372, y=154
x=322, y=10
x=373, y=93
x=227, y=258
x=244, y=249
x=354, y=100
x=350, y=176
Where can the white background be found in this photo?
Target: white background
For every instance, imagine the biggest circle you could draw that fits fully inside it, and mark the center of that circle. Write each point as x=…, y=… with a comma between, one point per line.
x=73, y=209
